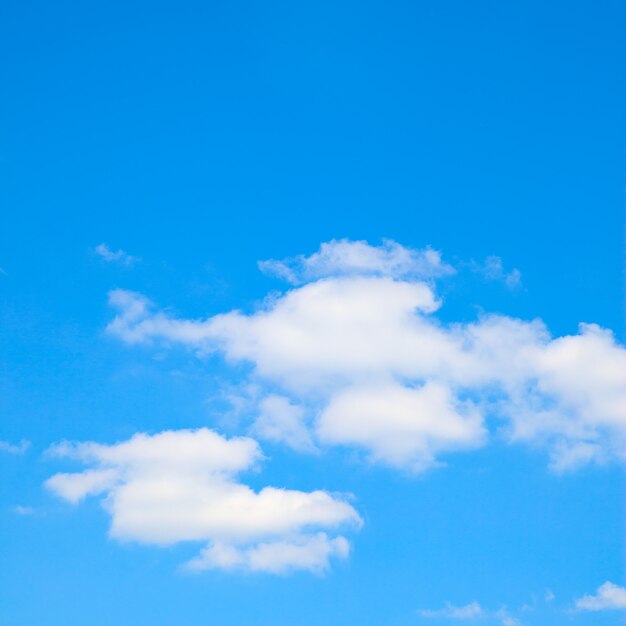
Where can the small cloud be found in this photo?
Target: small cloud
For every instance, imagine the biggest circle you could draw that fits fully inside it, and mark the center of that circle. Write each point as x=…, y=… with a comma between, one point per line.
x=18, y=509
x=115, y=256
x=468, y=611
x=493, y=269
x=281, y=421
x=11, y=448
x=607, y=597
x=471, y=611
x=506, y=619
x=277, y=557
x=549, y=595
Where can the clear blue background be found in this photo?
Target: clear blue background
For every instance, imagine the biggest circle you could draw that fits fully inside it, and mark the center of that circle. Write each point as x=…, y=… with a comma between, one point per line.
x=203, y=136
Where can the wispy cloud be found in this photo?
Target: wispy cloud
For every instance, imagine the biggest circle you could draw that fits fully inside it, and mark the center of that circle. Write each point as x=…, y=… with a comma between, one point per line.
x=450, y=611
x=115, y=256
x=492, y=268
x=506, y=619
x=18, y=509
x=12, y=448
x=608, y=596
x=279, y=420
x=471, y=611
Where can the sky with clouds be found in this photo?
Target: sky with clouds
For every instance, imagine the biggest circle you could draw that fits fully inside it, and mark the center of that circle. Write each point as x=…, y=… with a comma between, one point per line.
x=312, y=314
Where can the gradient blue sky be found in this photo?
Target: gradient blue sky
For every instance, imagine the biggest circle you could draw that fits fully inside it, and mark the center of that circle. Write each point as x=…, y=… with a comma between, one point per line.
x=201, y=138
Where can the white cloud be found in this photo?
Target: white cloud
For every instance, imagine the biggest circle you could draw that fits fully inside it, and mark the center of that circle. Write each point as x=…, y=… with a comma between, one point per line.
x=466, y=612
x=13, y=448
x=311, y=553
x=364, y=359
x=401, y=426
x=114, y=256
x=607, y=597
x=576, y=400
x=344, y=257
x=182, y=486
x=75, y=487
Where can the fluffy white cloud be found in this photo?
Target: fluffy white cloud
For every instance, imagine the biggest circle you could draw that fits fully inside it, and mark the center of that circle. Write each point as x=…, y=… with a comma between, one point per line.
x=607, y=597
x=401, y=426
x=364, y=359
x=574, y=398
x=182, y=486
x=74, y=487
x=345, y=257
x=114, y=256
x=311, y=553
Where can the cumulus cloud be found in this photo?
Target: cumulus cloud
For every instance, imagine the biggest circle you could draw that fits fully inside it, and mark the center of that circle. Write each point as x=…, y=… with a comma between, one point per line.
x=311, y=553
x=362, y=357
x=344, y=257
x=114, y=256
x=607, y=597
x=401, y=425
x=14, y=448
x=183, y=486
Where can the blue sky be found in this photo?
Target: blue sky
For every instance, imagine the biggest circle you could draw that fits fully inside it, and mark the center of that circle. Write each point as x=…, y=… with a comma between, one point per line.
x=331, y=260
